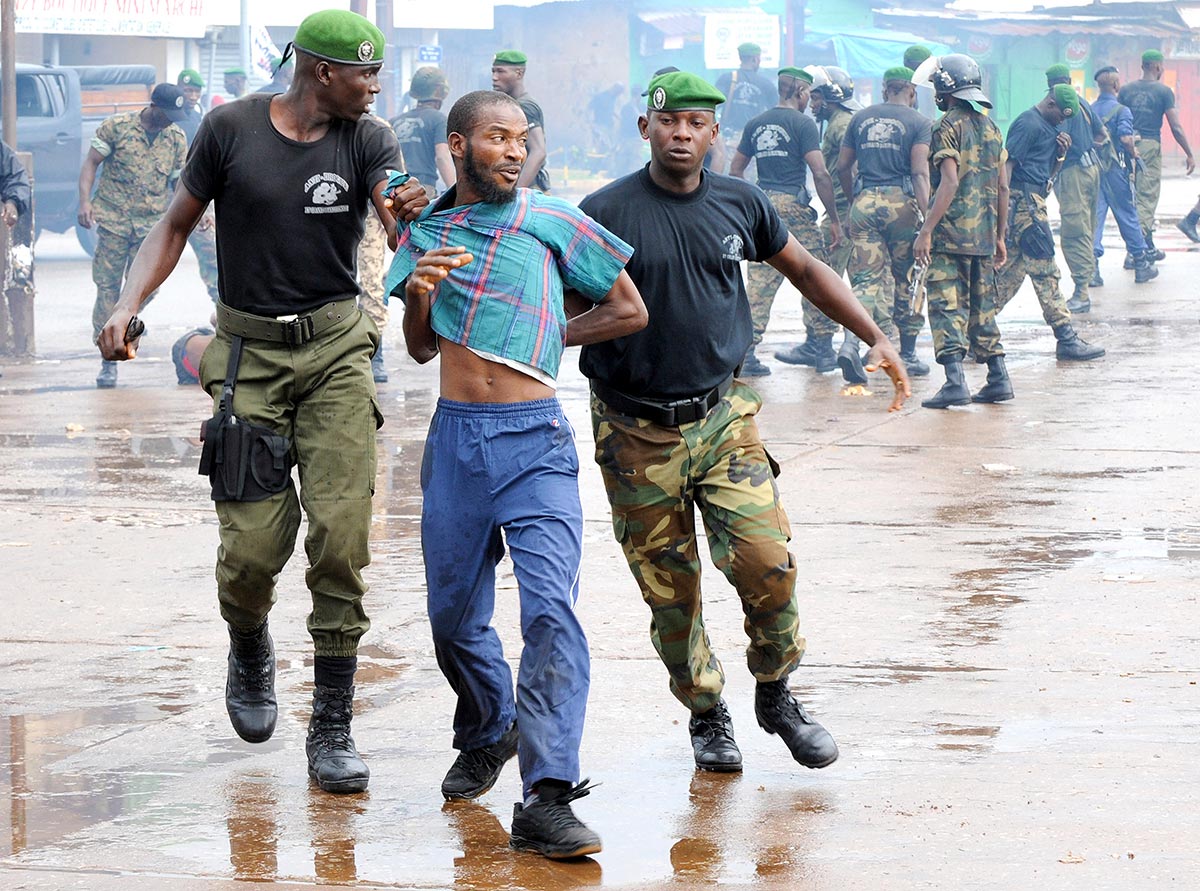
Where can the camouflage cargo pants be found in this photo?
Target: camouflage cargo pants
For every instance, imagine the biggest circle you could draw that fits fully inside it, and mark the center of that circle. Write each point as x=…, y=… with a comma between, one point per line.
x=1077, y=188
x=114, y=255
x=1149, y=182
x=884, y=223
x=763, y=281
x=204, y=244
x=961, y=290
x=656, y=477
x=839, y=257
x=1024, y=211
x=372, y=267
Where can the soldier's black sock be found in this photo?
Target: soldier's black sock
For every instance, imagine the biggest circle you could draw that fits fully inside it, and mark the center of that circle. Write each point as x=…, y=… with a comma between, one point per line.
x=335, y=671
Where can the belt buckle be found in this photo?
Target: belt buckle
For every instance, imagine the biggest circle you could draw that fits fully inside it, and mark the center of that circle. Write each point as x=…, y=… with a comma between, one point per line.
x=299, y=331
x=684, y=411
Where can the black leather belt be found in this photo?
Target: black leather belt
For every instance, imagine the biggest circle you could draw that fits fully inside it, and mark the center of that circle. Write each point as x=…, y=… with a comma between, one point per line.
x=665, y=414
x=295, y=332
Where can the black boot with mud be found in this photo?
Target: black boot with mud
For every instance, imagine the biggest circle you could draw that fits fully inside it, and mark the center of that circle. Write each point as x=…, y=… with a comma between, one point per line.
x=998, y=387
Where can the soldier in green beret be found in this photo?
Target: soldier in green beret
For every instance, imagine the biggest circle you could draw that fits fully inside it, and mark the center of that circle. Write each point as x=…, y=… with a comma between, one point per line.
x=1037, y=148
x=785, y=144
x=1150, y=100
x=747, y=93
x=234, y=82
x=293, y=177
x=508, y=77
x=674, y=424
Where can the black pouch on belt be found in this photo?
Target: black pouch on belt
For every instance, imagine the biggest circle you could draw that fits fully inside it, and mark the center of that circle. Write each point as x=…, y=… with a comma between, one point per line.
x=1036, y=239
x=243, y=461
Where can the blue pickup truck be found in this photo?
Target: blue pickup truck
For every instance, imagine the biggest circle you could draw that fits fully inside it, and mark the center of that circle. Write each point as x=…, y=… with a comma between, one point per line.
x=58, y=111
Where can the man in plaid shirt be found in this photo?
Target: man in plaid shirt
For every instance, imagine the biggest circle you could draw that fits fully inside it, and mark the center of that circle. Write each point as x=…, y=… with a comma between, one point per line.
x=492, y=273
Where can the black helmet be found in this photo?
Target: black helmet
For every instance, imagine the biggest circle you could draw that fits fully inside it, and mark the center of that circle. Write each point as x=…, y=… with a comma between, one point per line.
x=838, y=85
x=953, y=75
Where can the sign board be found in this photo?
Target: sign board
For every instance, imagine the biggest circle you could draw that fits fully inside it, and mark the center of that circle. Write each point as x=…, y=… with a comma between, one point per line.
x=477, y=15
x=724, y=32
x=429, y=55
x=157, y=18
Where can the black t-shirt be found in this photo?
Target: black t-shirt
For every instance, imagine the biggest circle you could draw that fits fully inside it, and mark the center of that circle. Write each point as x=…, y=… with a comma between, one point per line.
x=536, y=121
x=419, y=131
x=883, y=137
x=190, y=124
x=289, y=214
x=687, y=250
x=1032, y=147
x=747, y=94
x=779, y=139
x=1149, y=100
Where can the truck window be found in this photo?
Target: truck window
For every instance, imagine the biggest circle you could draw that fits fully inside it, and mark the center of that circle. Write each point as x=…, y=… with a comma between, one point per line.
x=33, y=97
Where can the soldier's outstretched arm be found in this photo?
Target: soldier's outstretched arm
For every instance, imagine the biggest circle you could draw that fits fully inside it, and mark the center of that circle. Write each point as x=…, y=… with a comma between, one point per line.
x=155, y=260
x=1181, y=138
x=830, y=294
x=942, y=199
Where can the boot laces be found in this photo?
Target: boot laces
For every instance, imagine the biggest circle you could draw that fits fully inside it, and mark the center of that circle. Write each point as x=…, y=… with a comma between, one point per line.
x=781, y=705
x=253, y=662
x=332, y=713
x=713, y=723
x=558, y=810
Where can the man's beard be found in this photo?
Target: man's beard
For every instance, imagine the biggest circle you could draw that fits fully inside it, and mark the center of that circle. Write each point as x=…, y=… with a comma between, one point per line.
x=478, y=176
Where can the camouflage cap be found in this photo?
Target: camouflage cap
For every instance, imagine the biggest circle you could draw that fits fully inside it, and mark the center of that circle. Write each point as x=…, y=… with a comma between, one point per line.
x=682, y=91
x=901, y=72
x=798, y=73
x=749, y=49
x=1152, y=56
x=190, y=77
x=1058, y=74
x=915, y=55
x=426, y=83
x=510, y=57
x=1066, y=98
x=341, y=36
x=168, y=98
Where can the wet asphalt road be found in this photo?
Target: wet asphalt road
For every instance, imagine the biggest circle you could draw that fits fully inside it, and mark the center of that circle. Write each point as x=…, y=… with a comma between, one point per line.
x=1000, y=605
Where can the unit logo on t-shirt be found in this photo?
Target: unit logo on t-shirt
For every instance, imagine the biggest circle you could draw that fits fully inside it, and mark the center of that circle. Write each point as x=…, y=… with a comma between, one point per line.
x=882, y=132
x=405, y=128
x=324, y=190
x=733, y=248
x=768, y=140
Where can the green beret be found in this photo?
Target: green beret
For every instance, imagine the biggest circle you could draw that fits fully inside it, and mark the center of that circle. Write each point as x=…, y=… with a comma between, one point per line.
x=749, y=49
x=235, y=72
x=426, y=82
x=1067, y=99
x=901, y=72
x=798, y=73
x=682, y=91
x=1058, y=74
x=190, y=77
x=1151, y=56
x=915, y=55
x=510, y=57
x=341, y=36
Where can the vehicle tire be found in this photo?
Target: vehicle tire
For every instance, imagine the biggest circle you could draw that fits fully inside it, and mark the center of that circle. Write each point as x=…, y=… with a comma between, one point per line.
x=87, y=239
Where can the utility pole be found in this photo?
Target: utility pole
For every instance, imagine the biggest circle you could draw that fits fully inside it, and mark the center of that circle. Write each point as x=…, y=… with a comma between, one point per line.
x=8, y=69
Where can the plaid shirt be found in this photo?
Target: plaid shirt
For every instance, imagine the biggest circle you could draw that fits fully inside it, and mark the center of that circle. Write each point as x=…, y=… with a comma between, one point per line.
x=509, y=300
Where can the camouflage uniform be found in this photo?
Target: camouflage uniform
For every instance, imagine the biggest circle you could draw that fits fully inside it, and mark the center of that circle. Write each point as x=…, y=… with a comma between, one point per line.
x=652, y=473
x=763, y=280
x=884, y=221
x=135, y=187
x=1027, y=209
x=831, y=147
x=372, y=264
x=960, y=284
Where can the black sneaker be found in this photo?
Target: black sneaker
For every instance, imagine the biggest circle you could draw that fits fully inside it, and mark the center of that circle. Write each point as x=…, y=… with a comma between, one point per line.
x=712, y=740
x=550, y=828
x=779, y=712
x=476, y=770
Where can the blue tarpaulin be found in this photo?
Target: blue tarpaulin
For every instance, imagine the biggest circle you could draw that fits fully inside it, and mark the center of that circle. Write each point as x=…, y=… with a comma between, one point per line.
x=870, y=52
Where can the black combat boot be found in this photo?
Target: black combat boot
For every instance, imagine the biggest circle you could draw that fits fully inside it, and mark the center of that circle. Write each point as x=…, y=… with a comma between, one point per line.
x=1144, y=270
x=378, y=371
x=908, y=355
x=1188, y=226
x=1129, y=261
x=250, y=684
x=1155, y=253
x=1097, y=279
x=779, y=712
x=998, y=387
x=1072, y=347
x=1080, y=302
x=850, y=362
x=954, y=391
x=107, y=378
x=475, y=771
x=333, y=760
x=549, y=826
x=825, y=359
x=712, y=740
x=751, y=367
x=800, y=353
